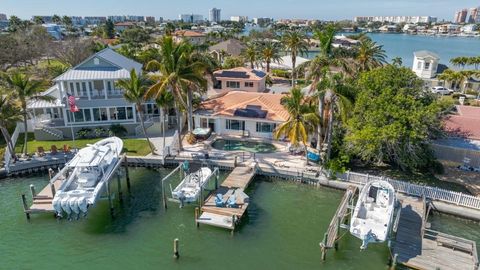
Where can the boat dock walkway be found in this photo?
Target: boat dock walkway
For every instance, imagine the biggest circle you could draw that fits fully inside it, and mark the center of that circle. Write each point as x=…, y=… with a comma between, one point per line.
x=416, y=247
x=42, y=201
x=331, y=237
x=233, y=187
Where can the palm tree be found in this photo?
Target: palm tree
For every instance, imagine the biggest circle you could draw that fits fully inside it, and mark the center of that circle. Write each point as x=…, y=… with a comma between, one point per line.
x=164, y=102
x=134, y=91
x=10, y=113
x=370, y=55
x=302, y=119
x=461, y=61
x=270, y=53
x=251, y=54
x=180, y=73
x=23, y=90
x=456, y=78
x=294, y=42
x=397, y=61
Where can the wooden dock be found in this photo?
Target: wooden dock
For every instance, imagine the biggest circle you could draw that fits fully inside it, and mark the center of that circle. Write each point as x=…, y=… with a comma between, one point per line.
x=331, y=237
x=227, y=217
x=416, y=247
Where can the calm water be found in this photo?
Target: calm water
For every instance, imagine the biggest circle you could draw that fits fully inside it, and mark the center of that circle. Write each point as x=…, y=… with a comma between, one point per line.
x=285, y=223
x=401, y=45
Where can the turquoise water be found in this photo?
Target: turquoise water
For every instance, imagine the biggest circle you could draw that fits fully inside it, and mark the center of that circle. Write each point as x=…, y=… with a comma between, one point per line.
x=284, y=226
x=248, y=146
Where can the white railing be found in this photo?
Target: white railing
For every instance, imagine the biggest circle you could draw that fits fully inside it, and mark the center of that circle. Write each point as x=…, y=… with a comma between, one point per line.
x=432, y=193
x=53, y=131
x=148, y=123
x=8, y=155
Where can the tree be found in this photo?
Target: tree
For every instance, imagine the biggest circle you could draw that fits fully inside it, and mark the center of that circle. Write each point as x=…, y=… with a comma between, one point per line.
x=67, y=21
x=23, y=90
x=393, y=120
x=164, y=102
x=72, y=52
x=38, y=20
x=134, y=91
x=56, y=19
x=294, y=42
x=251, y=54
x=10, y=113
x=397, y=61
x=302, y=119
x=233, y=62
x=15, y=24
x=370, y=55
x=270, y=53
x=135, y=36
x=109, y=29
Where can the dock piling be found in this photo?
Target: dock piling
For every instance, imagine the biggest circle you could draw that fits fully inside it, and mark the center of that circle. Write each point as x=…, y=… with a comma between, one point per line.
x=324, y=247
x=32, y=190
x=119, y=186
x=25, y=207
x=127, y=176
x=110, y=203
x=197, y=215
x=393, y=266
x=176, y=253
x=52, y=189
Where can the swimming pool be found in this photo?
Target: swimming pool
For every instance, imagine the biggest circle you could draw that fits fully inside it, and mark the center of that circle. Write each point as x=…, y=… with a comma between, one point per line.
x=248, y=146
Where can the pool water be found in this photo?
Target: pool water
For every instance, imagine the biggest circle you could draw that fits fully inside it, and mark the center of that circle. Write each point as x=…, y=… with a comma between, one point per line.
x=248, y=146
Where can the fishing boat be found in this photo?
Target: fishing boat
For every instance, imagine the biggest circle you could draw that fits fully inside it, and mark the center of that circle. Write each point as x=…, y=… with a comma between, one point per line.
x=373, y=214
x=85, y=176
x=189, y=189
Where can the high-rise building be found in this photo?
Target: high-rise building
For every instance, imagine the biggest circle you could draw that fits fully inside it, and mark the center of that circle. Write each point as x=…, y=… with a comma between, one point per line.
x=396, y=19
x=150, y=19
x=191, y=18
x=461, y=16
x=239, y=19
x=215, y=15
x=262, y=21
x=474, y=15
x=3, y=17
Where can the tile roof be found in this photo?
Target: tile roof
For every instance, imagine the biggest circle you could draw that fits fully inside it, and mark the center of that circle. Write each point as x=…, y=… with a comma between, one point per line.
x=227, y=104
x=466, y=123
x=232, y=47
x=188, y=33
x=240, y=73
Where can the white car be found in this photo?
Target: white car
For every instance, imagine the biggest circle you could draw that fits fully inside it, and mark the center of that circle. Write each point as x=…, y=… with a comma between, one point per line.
x=441, y=90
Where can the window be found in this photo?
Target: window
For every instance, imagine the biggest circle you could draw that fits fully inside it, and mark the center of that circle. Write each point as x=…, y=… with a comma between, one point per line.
x=87, y=114
x=96, y=61
x=204, y=122
x=109, y=88
x=98, y=85
x=248, y=84
x=121, y=113
x=265, y=127
x=84, y=89
x=79, y=90
x=419, y=65
x=72, y=89
x=235, y=124
x=100, y=114
x=427, y=65
x=129, y=113
x=233, y=84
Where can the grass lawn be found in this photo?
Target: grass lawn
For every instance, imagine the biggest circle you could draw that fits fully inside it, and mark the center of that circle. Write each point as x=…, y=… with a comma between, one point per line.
x=133, y=147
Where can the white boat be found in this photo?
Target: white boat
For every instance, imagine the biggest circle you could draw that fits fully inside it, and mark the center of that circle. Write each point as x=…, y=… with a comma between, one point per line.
x=86, y=176
x=373, y=214
x=189, y=189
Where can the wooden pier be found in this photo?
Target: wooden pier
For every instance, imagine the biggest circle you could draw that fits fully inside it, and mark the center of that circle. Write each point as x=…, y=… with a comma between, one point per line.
x=416, y=247
x=339, y=220
x=227, y=217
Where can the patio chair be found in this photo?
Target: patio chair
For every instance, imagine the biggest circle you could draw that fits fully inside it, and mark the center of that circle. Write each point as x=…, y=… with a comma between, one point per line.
x=66, y=148
x=53, y=150
x=40, y=151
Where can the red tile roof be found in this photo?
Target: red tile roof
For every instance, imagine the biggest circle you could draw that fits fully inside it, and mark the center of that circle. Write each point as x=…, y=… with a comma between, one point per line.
x=465, y=123
x=187, y=33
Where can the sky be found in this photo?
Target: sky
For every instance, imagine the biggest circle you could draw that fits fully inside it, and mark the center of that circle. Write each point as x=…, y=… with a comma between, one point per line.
x=278, y=9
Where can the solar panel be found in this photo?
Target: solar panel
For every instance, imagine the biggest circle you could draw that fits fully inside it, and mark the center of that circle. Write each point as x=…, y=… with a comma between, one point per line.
x=259, y=73
x=251, y=111
x=234, y=74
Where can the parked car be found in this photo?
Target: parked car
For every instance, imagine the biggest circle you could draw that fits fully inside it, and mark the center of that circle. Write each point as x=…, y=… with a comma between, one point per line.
x=441, y=90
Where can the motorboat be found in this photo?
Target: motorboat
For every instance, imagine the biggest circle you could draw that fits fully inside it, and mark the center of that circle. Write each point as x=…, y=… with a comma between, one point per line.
x=189, y=189
x=373, y=214
x=85, y=176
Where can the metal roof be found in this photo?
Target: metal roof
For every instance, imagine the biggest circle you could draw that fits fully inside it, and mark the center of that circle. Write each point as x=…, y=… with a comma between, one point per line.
x=40, y=104
x=423, y=54
x=85, y=75
x=119, y=60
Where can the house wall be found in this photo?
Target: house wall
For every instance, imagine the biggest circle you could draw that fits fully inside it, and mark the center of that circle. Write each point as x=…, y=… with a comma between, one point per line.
x=250, y=126
x=258, y=86
x=419, y=65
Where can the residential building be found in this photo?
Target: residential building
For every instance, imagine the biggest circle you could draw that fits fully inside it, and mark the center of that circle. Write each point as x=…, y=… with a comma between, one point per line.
x=242, y=113
x=121, y=26
x=230, y=47
x=238, y=79
x=3, y=25
x=193, y=37
x=100, y=101
x=78, y=21
x=150, y=20
x=461, y=16
x=3, y=17
x=469, y=28
x=215, y=15
x=474, y=15
x=242, y=19
x=132, y=18
x=116, y=19
x=94, y=20
x=54, y=30
x=425, y=64
x=262, y=22
x=388, y=28
x=396, y=19
x=190, y=18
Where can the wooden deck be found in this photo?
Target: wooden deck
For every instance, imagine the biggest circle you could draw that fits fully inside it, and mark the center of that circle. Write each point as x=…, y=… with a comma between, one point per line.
x=227, y=217
x=42, y=202
x=420, y=248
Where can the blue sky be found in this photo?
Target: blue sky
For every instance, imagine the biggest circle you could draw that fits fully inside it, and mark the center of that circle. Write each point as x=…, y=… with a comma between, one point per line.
x=309, y=9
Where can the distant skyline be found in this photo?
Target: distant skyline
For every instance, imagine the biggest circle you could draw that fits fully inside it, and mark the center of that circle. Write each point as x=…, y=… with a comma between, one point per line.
x=277, y=9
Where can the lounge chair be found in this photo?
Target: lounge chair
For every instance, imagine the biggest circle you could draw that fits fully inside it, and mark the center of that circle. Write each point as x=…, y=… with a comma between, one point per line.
x=219, y=200
x=232, y=201
x=53, y=150
x=40, y=151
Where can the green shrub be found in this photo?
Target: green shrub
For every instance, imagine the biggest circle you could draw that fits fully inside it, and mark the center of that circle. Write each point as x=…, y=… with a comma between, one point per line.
x=471, y=92
x=100, y=132
x=437, y=167
x=118, y=130
x=281, y=73
x=84, y=133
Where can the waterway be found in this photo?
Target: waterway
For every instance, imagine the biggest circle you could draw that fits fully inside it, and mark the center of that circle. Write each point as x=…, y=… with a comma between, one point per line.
x=284, y=226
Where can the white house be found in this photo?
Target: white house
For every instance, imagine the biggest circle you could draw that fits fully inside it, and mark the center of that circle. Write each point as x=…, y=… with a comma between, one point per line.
x=425, y=64
x=238, y=79
x=101, y=102
x=242, y=113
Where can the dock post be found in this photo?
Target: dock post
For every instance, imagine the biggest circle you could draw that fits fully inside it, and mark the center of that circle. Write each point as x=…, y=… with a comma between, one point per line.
x=32, y=190
x=110, y=203
x=324, y=247
x=234, y=220
x=50, y=173
x=394, y=262
x=197, y=215
x=339, y=221
x=127, y=176
x=52, y=188
x=164, y=196
x=119, y=185
x=25, y=206
x=216, y=178
x=235, y=162
x=176, y=253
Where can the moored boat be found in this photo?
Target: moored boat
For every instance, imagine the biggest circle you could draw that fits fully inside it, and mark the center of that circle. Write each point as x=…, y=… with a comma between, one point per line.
x=189, y=189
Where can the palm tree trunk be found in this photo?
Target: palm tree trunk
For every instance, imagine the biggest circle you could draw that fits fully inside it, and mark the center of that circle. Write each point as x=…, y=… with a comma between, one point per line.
x=162, y=116
x=25, y=131
x=179, y=128
x=319, y=127
x=268, y=66
x=190, y=110
x=251, y=65
x=8, y=140
x=294, y=58
x=140, y=111
x=330, y=133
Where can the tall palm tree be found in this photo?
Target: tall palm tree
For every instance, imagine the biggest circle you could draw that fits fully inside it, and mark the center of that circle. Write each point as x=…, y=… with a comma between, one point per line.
x=294, y=42
x=251, y=54
x=164, y=102
x=302, y=119
x=270, y=53
x=23, y=90
x=461, y=61
x=370, y=55
x=134, y=91
x=10, y=113
x=180, y=73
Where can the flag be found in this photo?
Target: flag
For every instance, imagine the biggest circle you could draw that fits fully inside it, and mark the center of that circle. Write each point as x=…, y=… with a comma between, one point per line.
x=71, y=103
